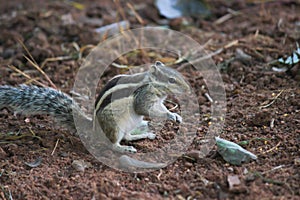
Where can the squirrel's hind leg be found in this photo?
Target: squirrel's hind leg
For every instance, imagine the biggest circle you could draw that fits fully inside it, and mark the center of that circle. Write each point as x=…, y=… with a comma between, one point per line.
x=140, y=132
x=123, y=148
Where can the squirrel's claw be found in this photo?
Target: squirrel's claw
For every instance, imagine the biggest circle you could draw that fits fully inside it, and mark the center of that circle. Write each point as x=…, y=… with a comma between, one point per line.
x=124, y=149
x=175, y=117
x=129, y=149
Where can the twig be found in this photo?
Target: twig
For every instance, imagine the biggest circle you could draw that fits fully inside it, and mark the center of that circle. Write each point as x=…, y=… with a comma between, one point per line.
x=159, y=175
x=184, y=57
x=226, y=17
x=120, y=9
x=122, y=13
x=76, y=46
x=82, y=49
x=272, y=148
x=232, y=43
x=273, y=169
x=265, y=106
x=208, y=97
x=55, y=147
x=200, y=59
x=32, y=132
x=207, y=43
x=223, y=19
x=60, y=58
x=272, y=123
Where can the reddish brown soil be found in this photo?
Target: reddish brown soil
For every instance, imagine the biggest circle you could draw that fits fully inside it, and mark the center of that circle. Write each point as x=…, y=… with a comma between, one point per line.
x=265, y=31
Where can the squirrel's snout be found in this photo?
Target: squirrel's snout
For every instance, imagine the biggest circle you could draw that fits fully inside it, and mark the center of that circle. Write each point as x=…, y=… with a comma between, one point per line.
x=187, y=88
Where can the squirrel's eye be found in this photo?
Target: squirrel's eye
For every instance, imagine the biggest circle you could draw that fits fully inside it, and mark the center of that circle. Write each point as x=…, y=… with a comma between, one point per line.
x=172, y=80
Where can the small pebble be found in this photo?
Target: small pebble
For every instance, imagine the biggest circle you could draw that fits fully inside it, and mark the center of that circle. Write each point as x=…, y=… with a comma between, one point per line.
x=80, y=165
x=297, y=161
x=3, y=154
x=7, y=53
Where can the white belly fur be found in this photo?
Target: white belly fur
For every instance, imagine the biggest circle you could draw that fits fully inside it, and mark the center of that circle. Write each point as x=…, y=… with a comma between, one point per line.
x=126, y=118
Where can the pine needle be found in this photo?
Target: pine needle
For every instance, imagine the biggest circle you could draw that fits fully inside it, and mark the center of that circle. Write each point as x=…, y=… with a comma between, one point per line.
x=27, y=51
x=26, y=75
x=56, y=144
x=41, y=71
x=31, y=60
x=137, y=16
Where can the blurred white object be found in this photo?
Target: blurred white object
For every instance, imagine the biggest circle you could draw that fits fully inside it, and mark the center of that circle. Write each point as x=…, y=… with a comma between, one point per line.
x=178, y=8
x=113, y=29
x=167, y=8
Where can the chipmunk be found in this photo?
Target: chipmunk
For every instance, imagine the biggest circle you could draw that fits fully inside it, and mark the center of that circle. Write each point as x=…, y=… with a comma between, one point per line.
x=119, y=108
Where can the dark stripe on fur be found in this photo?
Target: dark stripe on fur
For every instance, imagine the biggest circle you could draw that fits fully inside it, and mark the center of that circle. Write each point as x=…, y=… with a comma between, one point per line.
x=118, y=94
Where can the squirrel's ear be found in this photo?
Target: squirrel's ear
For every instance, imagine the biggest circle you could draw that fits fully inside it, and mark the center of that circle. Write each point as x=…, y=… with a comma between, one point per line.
x=155, y=68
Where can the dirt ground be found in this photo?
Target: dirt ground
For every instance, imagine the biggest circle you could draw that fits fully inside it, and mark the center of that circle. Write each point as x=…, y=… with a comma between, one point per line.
x=263, y=106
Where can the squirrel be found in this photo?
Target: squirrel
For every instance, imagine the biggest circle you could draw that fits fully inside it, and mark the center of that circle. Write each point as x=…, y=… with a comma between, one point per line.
x=120, y=106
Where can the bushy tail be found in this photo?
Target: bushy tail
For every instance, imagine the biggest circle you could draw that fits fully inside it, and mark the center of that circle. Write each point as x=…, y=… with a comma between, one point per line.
x=32, y=100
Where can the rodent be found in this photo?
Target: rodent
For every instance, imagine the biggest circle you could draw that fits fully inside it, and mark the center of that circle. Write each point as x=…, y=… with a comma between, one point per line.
x=119, y=108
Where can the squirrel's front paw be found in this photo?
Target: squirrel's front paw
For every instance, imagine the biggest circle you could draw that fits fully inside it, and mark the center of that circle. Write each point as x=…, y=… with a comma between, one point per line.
x=175, y=117
x=143, y=124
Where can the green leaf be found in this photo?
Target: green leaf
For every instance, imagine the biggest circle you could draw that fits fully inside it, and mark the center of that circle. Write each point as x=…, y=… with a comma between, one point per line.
x=232, y=152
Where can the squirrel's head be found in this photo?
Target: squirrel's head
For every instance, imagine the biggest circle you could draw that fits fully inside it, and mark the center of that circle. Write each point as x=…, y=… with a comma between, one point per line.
x=168, y=77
